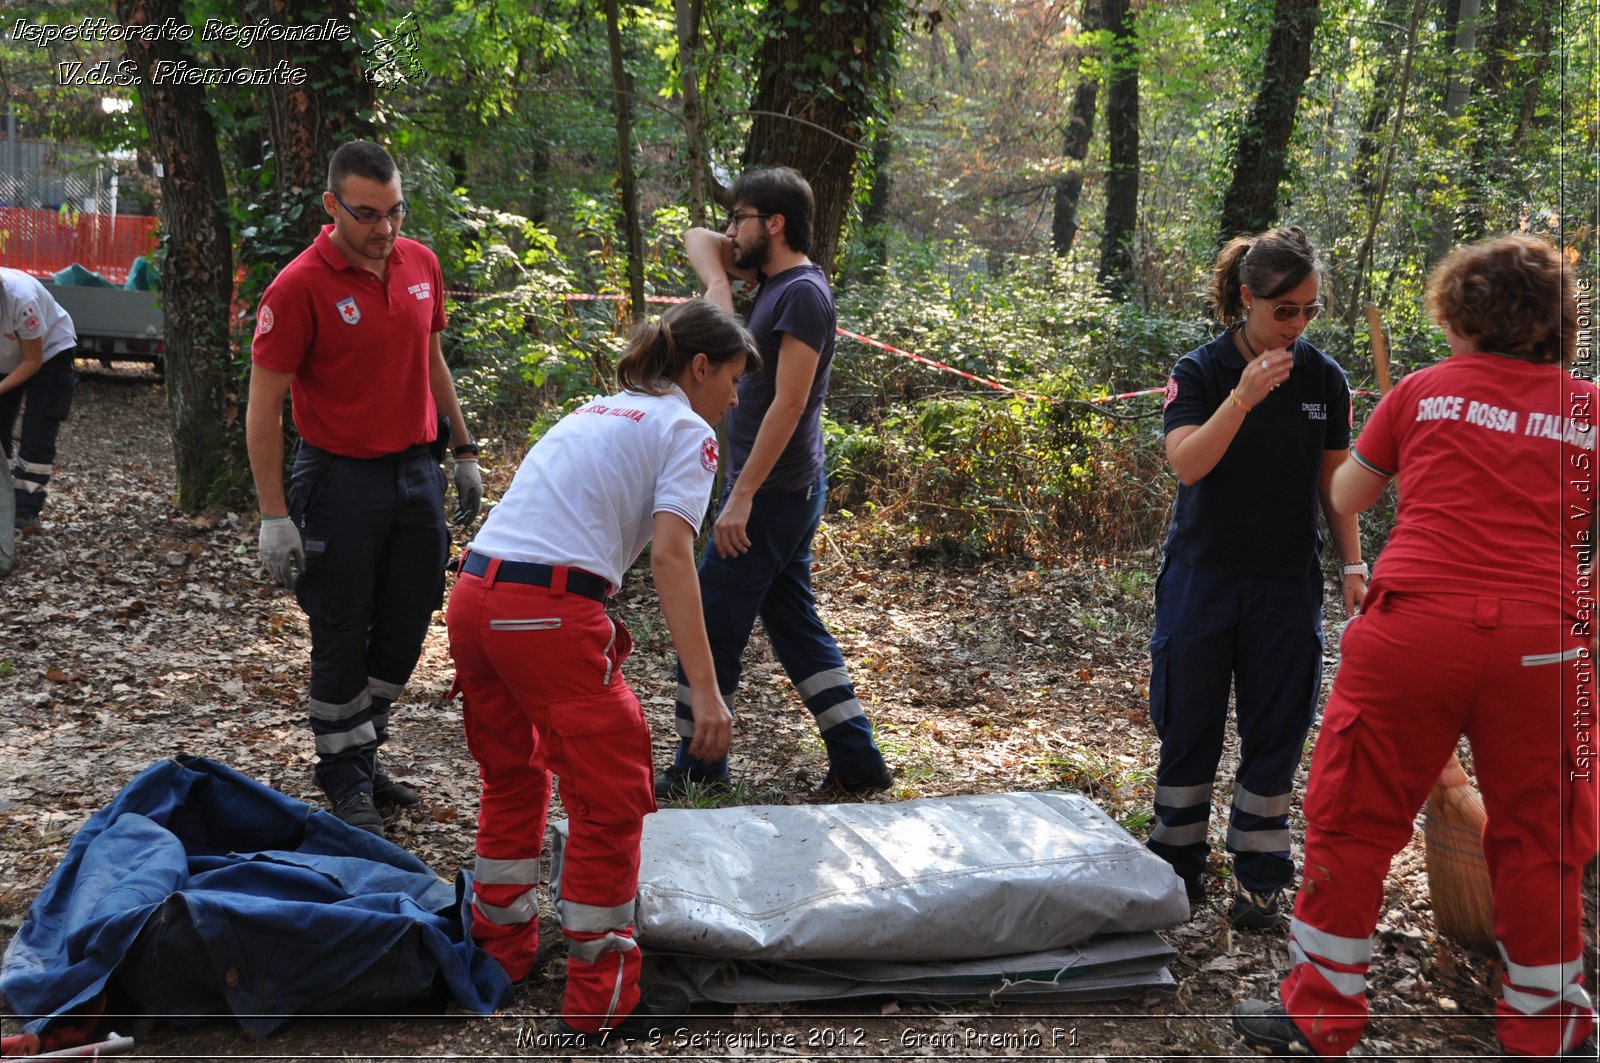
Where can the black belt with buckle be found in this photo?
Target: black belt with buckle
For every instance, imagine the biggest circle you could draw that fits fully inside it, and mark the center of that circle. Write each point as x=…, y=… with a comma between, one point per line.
x=536, y=575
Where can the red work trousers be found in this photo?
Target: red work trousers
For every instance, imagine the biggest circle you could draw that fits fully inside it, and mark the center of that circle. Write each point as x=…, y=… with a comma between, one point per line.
x=540, y=671
x=1418, y=671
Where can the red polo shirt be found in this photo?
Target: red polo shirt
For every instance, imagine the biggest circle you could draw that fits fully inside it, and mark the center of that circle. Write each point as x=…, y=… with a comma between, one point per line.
x=358, y=346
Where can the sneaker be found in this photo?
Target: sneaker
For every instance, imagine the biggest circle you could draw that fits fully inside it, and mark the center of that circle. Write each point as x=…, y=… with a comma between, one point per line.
x=676, y=782
x=386, y=791
x=658, y=1005
x=833, y=787
x=1268, y=1029
x=1256, y=911
x=358, y=810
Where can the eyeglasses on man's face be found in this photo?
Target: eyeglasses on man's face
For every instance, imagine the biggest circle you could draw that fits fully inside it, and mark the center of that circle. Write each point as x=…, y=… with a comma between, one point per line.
x=736, y=219
x=1289, y=311
x=368, y=216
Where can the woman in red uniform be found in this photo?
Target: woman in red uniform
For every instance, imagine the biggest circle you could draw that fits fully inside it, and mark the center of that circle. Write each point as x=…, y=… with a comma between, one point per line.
x=1478, y=622
x=538, y=660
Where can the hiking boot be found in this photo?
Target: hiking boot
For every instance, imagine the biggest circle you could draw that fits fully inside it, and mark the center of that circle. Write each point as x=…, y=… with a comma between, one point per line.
x=676, y=782
x=386, y=791
x=357, y=809
x=658, y=1005
x=1195, y=888
x=1256, y=911
x=835, y=787
x=1268, y=1029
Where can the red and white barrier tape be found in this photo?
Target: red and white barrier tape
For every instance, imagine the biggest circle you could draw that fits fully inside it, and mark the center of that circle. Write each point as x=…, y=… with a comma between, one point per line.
x=582, y=297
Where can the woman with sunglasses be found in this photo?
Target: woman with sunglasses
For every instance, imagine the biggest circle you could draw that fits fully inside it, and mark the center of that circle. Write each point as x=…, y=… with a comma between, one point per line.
x=1256, y=421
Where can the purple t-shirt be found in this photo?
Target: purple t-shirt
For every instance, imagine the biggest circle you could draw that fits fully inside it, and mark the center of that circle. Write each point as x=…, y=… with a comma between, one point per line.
x=797, y=301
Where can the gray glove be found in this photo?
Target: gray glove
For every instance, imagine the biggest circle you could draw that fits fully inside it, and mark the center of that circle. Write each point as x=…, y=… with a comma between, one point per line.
x=469, y=490
x=282, y=555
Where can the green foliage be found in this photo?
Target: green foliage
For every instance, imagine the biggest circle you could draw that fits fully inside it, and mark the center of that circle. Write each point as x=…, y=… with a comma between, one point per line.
x=962, y=470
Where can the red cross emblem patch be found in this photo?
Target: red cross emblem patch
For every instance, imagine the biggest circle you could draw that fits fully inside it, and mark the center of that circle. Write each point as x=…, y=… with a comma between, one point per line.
x=349, y=311
x=708, y=454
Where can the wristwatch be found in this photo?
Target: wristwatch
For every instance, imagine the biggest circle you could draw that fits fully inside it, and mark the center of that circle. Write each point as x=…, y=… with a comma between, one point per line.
x=467, y=450
x=1357, y=568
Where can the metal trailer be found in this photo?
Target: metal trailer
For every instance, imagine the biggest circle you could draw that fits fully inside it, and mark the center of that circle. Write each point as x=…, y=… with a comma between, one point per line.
x=113, y=324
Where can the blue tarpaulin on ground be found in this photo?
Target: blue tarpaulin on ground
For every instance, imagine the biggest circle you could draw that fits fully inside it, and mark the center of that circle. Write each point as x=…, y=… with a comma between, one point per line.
x=292, y=905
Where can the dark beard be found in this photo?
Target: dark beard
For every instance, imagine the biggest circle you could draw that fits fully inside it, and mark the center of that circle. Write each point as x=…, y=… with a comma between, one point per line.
x=756, y=257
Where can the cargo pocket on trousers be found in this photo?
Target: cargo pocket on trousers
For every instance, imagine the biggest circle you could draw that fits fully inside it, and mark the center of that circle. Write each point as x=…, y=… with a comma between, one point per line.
x=605, y=740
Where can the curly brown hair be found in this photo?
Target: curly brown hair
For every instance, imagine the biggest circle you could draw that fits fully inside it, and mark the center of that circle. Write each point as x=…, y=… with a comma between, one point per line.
x=1513, y=295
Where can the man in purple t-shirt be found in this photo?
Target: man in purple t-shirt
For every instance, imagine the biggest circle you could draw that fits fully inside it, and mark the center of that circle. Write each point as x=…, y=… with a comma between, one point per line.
x=759, y=560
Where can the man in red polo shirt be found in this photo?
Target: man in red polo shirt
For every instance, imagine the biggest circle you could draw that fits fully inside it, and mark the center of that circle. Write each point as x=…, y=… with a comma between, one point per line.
x=350, y=331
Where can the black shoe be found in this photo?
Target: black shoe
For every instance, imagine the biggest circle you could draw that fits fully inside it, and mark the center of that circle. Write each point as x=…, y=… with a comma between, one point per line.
x=676, y=782
x=358, y=810
x=658, y=1005
x=386, y=791
x=1195, y=888
x=1256, y=911
x=834, y=787
x=1268, y=1029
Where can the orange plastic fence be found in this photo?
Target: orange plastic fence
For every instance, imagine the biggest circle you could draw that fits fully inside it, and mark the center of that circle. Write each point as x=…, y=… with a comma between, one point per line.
x=44, y=241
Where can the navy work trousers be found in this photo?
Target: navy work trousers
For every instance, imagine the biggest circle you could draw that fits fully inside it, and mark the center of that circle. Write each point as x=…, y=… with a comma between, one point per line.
x=376, y=543
x=773, y=580
x=1263, y=636
x=48, y=394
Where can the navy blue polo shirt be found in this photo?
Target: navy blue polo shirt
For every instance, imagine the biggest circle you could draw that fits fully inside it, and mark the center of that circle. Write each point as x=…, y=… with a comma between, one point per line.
x=1257, y=511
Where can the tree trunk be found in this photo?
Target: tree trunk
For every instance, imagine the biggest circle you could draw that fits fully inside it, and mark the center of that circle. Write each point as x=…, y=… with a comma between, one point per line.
x=1455, y=101
x=1075, y=148
x=1369, y=146
x=306, y=124
x=821, y=70
x=1261, y=156
x=875, y=215
x=1375, y=213
x=1517, y=54
x=688, y=16
x=627, y=183
x=197, y=272
x=1122, y=128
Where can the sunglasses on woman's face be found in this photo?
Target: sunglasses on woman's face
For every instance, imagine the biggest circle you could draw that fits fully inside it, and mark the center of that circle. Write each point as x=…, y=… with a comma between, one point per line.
x=1289, y=311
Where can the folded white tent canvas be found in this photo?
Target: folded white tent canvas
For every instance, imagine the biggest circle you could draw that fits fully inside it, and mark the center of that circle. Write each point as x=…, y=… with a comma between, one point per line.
x=927, y=881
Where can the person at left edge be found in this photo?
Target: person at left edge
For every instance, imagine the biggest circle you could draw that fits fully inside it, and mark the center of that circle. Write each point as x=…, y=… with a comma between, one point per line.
x=350, y=330
x=37, y=344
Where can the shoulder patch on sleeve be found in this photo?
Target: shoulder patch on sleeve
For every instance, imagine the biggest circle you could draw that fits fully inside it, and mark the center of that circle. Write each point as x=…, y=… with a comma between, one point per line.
x=264, y=321
x=708, y=454
x=1171, y=393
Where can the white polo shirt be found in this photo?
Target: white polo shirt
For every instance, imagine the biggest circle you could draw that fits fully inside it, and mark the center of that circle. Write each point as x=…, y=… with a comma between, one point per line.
x=587, y=494
x=27, y=312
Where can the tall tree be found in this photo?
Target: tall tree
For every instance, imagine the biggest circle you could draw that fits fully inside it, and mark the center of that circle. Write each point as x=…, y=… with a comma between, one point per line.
x=627, y=183
x=1261, y=155
x=197, y=277
x=1122, y=129
x=688, y=14
x=822, y=70
x=306, y=123
x=1455, y=101
x=1517, y=56
x=1077, y=136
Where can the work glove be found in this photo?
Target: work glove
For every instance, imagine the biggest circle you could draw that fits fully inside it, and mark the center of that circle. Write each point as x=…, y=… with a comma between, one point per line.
x=283, y=557
x=469, y=490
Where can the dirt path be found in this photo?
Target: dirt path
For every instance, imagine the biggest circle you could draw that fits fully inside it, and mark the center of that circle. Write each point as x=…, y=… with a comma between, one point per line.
x=131, y=633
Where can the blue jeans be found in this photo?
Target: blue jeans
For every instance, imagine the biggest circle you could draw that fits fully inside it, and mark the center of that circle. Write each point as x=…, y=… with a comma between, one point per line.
x=773, y=580
x=376, y=543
